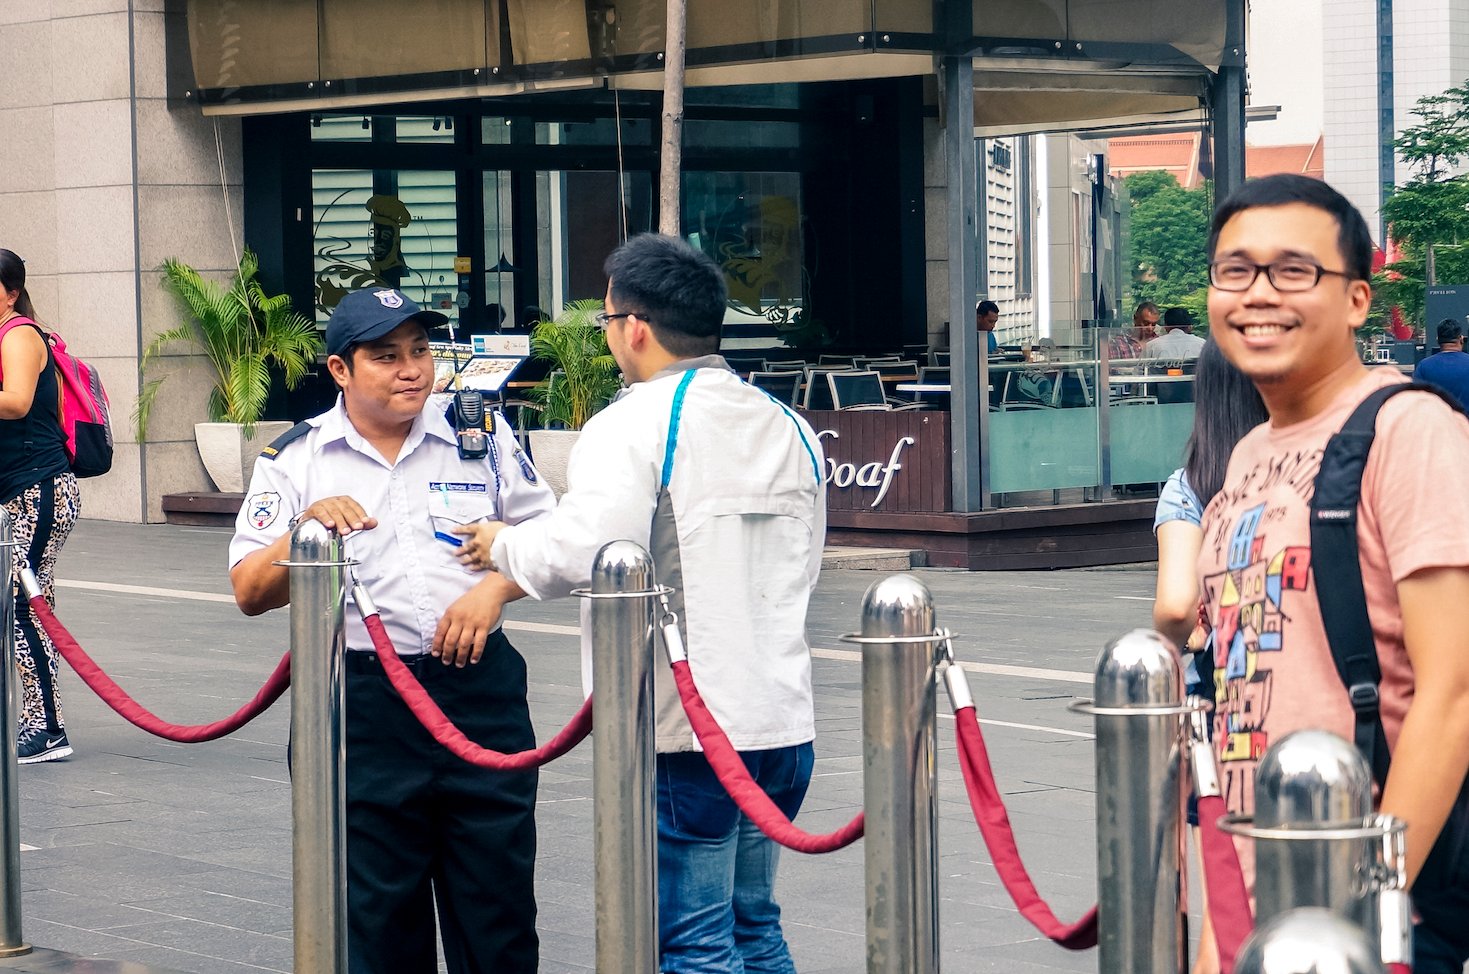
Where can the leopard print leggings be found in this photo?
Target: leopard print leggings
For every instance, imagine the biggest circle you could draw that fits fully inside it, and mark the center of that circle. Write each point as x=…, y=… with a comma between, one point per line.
x=41, y=518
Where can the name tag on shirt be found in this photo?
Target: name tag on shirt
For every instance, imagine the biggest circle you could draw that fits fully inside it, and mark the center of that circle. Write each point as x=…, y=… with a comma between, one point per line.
x=440, y=487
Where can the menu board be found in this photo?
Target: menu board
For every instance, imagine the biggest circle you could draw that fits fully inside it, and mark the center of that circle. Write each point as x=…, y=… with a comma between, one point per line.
x=486, y=371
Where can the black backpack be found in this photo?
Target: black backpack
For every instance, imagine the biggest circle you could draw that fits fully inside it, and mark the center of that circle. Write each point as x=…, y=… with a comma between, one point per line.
x=1441, y=892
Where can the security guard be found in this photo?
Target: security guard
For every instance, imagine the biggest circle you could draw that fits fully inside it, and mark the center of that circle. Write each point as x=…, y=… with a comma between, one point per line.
x=384, y=468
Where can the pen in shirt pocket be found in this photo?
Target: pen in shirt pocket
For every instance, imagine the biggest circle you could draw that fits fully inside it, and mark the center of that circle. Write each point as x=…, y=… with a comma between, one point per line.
x=449, y=539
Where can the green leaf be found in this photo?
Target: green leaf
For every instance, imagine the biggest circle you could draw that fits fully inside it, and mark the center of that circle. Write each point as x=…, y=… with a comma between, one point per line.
x=243, y=332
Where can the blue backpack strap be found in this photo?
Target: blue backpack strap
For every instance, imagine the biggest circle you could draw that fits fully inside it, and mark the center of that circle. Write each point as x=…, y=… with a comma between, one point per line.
x=285, y=439
x=1337, y=568
x=675, y=416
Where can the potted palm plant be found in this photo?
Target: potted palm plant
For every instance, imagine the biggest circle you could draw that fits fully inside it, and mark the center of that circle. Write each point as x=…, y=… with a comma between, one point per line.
x=583, y=379
x=242, y=332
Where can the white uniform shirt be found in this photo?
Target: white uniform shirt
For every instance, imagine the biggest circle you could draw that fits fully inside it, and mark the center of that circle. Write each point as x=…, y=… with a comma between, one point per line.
x=740, y=539
x=411, y=574
x=1174, y=344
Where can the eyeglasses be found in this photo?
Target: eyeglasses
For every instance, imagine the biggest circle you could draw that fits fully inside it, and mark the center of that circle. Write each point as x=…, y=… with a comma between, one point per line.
x=1287, y=276
x=604, y=319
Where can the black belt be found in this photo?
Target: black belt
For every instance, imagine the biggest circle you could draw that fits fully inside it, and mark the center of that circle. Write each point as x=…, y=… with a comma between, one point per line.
x=367, y=662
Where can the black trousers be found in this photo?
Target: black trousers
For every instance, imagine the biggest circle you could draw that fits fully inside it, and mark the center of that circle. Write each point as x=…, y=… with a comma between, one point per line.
x=425, y=828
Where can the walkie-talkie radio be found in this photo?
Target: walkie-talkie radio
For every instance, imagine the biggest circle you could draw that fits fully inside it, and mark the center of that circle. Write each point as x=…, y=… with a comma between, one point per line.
x=469, y=422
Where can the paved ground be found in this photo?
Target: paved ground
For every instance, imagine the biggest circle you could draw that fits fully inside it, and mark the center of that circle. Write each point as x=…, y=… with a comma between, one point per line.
x=179, y=856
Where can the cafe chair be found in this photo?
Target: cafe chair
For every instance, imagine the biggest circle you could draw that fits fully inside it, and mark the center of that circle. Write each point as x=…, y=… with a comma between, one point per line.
x=862, y=390
x=866, y=363
x=846, y=361
x=939, y=358
x=1072, y=389
x=786, y=365
x=1175, y=391
x=816, y=392
x=930, y=375
x=784, y=386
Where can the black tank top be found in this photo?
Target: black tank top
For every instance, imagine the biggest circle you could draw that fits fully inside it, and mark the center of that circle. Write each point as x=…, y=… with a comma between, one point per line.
x=33, y=449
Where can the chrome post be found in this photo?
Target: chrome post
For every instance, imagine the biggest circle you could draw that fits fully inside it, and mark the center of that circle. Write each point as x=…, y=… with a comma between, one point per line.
x=624, y=826
x=12, y=944
x=1307, y=940
x=1312, y=779
x=900, y=778
x=1139, y=805
x=318, y=756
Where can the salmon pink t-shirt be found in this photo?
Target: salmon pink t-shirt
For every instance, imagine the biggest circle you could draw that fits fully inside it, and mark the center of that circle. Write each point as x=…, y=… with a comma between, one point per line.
x=1273, y=671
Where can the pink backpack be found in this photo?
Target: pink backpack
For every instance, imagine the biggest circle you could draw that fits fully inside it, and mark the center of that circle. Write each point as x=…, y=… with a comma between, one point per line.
x=82, y=404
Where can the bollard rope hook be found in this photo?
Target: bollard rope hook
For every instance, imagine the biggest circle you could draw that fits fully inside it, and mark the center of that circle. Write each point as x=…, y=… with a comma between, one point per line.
x=128, y=708
x=437, y=723
x=730, y=768
x=1229, y=901
x=994, y=821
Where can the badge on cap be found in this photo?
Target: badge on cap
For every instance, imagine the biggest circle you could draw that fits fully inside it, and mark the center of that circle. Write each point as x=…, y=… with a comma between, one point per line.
x=389, y=298
x=265, y=507
x=525, y=466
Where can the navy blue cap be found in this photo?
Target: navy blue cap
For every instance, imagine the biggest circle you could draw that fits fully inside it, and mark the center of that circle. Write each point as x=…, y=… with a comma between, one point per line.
x=369, y=314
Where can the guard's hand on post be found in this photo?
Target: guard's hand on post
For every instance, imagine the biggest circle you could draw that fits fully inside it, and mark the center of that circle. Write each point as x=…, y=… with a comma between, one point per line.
x=461, y=633
x=341, y=514
x=479, y=539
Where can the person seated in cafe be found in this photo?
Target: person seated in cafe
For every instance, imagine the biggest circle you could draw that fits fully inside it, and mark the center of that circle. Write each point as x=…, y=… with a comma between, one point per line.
x=1178, y=340
x=986, y=315
x=1448, y=368
x=1145, y=328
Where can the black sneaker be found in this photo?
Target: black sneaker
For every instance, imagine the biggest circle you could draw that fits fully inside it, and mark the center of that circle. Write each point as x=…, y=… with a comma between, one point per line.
x=38, y=744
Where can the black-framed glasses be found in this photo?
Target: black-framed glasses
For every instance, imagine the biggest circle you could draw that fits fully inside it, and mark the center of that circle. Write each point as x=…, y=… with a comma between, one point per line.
x=604, y=319
x=1289, y=275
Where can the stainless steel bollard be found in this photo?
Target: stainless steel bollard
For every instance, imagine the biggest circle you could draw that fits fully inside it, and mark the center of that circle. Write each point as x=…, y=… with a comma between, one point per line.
x=624, y=822
x=1312, y=779
x=11, y=942
x=1308, y=940
x=1140, y=721
x=900, y=777
x=318, y=755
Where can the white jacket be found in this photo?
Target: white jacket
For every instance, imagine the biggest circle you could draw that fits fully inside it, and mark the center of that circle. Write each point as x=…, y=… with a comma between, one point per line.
x=738, y=533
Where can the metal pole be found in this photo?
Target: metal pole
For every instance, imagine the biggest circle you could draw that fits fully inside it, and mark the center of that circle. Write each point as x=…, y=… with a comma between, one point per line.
x=1312, y=779
x=1309, y=940
x=626, y=871
x=318, y=758
x=899, y=778
x=1139, y=805
x=11, y=942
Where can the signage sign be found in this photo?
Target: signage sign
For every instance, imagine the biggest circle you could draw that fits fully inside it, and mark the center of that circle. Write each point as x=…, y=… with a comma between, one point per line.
x=873, y=473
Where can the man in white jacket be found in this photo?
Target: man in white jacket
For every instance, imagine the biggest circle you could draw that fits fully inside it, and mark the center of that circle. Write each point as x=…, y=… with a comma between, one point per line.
x=723, y=485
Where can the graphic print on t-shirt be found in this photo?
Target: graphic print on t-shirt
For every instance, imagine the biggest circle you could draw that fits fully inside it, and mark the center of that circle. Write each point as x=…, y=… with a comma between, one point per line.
x=1250, y=603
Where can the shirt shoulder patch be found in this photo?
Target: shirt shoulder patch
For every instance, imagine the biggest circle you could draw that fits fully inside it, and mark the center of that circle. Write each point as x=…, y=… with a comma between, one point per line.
x=285, y=439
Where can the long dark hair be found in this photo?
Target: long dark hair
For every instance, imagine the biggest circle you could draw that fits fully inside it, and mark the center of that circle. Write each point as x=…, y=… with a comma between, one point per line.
x=13, y=278
x=1226, y=407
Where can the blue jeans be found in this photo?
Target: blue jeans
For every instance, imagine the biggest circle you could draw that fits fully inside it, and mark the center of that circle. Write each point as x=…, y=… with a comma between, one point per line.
x=716, y=872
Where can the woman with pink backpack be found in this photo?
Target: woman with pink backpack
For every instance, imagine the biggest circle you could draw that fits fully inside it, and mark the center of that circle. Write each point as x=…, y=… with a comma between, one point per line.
x=40, y=494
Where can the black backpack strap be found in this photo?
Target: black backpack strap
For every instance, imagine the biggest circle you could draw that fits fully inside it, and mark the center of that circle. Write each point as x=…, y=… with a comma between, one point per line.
x=1337, y=568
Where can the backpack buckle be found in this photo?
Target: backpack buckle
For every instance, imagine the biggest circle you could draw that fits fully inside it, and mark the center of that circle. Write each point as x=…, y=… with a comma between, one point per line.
x=1364, y=697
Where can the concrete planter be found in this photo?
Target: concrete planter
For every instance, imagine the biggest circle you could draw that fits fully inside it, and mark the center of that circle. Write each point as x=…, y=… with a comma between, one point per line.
x=229, y=456
x=551, y=449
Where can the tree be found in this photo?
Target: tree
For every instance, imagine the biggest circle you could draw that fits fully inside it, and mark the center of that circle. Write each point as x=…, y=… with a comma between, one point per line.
x=1166, y=247
x=1430, y=210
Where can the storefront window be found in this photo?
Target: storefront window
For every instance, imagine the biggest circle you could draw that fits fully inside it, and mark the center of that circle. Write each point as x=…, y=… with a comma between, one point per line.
x=394, y=228
x=383, y=128
x=601, y=131
x=582, y=218
x=750, y=223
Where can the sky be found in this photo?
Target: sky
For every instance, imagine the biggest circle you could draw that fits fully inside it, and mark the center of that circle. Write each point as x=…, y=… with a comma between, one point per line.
x=1284, y=59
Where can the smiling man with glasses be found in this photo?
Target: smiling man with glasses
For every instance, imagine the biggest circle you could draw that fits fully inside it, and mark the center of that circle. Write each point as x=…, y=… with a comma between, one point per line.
x=1289, y=265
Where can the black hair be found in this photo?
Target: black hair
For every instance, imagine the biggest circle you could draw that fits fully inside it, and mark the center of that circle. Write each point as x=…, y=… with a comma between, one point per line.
x=677, y=288
x=1226, y=407
x=13, y=278
x=1449, y=330
x=1282, y=189
x=1178, y=318
x=986, y=307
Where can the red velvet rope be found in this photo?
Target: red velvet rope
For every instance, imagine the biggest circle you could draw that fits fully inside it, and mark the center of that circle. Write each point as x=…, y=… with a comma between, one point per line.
x=1229, y=902
x=994, y=825
x=1397, y=967
x=443, y=730
x=735, y=777
x=133, y=712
